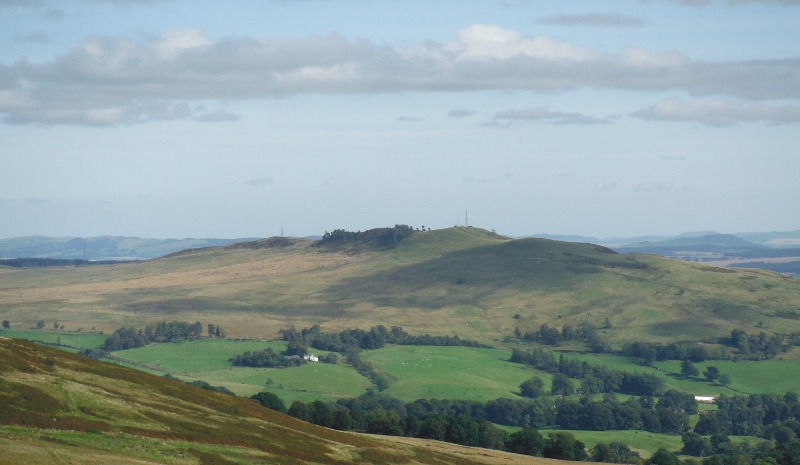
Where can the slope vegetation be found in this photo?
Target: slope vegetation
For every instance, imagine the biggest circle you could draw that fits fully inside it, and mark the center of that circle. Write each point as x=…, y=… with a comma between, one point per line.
x=463, y=281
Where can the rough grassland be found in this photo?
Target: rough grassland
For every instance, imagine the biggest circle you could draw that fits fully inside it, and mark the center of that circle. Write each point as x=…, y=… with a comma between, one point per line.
x=56, y=406
x=463, y=281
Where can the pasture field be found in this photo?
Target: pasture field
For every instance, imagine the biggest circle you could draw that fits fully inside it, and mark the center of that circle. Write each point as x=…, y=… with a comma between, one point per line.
x=208, y=360
x=308, y=382
x=753, y=377
x=194, y=356
x=747, y=377
x=451, y=372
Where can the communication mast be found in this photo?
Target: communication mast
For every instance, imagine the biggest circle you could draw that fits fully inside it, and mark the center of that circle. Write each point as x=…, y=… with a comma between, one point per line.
x=466, y=218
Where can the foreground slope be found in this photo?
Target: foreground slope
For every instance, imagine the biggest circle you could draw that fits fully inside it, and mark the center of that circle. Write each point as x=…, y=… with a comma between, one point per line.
x=463, y=281
x=57, y=407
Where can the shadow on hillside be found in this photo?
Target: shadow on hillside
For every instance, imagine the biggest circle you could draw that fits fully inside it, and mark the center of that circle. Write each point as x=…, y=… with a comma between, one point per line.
x=463, y=277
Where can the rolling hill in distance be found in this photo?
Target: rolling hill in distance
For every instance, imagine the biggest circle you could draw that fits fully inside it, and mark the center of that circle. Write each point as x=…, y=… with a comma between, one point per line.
x=57, y=407
x=101, y=247
x=463, y=281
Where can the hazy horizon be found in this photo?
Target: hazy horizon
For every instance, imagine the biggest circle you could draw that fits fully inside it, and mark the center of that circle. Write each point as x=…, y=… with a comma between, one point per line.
x=179, y=118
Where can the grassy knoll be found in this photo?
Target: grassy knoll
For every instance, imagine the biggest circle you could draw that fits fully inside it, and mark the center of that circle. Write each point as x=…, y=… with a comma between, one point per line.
x=463, y=281
x=58, y=406
x=450, y=372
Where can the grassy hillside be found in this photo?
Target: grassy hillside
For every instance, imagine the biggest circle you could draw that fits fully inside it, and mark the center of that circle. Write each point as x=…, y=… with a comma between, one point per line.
x=463, y=281
x=56, y=407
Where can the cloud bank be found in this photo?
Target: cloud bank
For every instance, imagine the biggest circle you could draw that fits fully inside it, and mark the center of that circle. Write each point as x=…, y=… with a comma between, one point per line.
x=109, y=81
x=719, y=112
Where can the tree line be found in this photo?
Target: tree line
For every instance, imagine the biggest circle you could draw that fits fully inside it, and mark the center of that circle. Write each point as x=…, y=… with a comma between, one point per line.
x=358, y=339
x=594, y=378
x=454, y=421
x=382, y=236
x=163, y=331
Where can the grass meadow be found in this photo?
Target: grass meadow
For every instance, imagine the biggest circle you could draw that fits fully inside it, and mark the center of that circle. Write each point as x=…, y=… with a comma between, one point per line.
x=450, y=372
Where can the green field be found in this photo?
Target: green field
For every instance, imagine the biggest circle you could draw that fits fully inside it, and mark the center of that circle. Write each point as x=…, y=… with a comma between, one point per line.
x=747, y=377
x=450, y=372
x=208, y=360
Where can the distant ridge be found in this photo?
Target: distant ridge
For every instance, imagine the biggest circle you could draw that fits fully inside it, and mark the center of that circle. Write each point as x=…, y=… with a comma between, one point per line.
x=101, y=247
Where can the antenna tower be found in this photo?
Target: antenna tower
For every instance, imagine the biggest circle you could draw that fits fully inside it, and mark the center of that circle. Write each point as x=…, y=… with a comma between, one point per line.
x=466, y=218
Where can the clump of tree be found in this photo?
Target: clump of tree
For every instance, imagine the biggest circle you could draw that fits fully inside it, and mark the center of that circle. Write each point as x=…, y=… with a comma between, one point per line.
x=585, y=332
x=203, y=385
x=532, y=388
x=766, y=415
x=270, y=401
x=93, y=352
x=669, y=414
x=759, y=347
x=172, y=331
x=651, y=352
x=6, y=324
x=380, y=236
x=267, y=358
x=216, y=331
x=595, y=378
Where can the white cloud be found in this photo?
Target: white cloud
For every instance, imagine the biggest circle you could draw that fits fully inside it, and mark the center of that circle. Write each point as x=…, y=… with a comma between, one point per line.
x=217, y=116
x=460, y=113
x=259, y=182
x=593, y=19
x=605, y=187
x=107, y=81
x=543, y=114
x=719, y=112
x=658, y=186
x=409, y=119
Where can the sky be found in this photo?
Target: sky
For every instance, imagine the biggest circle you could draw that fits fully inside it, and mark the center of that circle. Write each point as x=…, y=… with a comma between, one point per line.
x=192, y=118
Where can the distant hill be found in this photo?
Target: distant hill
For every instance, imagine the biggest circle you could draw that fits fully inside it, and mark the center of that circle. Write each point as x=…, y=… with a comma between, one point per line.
x=773, y=239
x=101, y=247
x=719, y=243
x=455, y=281
x=59, y=407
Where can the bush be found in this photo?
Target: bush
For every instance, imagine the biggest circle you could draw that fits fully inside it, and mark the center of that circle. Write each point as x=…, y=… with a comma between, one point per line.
x=270, y=401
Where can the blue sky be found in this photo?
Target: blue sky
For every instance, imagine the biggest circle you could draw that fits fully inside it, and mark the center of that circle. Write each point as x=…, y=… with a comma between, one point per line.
x=169, y=118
